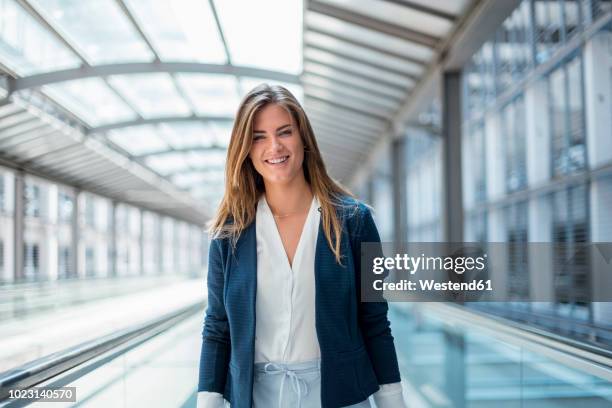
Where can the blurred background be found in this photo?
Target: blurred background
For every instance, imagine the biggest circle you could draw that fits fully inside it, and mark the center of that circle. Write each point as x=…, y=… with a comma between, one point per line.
x=457, y=120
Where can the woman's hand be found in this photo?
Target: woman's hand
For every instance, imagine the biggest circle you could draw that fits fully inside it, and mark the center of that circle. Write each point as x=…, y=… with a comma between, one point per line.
x=390, y=396
x=210, y=400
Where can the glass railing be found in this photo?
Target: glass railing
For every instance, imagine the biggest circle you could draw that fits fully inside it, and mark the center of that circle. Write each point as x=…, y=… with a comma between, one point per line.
x=453, y=357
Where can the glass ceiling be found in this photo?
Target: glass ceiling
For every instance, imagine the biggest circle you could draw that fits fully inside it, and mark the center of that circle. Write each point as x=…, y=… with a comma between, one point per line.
x=141, y=108
x=160, y=81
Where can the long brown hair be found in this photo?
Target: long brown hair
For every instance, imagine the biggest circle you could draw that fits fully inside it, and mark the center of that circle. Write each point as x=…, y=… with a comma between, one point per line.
x=244, y=185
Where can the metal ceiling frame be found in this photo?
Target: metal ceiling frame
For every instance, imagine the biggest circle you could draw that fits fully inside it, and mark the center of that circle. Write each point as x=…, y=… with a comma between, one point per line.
x=25, y=139
x=424, y=9
x=333, y=109
x=149, y=43
x=196, y=169
x=376, y=102
x=325, y=132
x=374, y=24
x=347, y=107
x=182, y=150
x=347, y=82
x=327, y=109
x=374, y=74
x=8, y=109
x=33, y=145
x=335, y=134
x=31, y=10
x=22, y=130
x=155, y=120
x=69, y=158
x=103, y=71
x=342, y=126
x=15, y=119
x=47, y=152
x=362, y=61
x=129, y=68
x=358, y=43
x=333, y=66
x=345, y=162
x=348, y=71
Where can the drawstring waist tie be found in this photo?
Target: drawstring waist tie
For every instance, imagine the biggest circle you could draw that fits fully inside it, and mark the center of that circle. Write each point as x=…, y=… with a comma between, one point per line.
x=291, y=371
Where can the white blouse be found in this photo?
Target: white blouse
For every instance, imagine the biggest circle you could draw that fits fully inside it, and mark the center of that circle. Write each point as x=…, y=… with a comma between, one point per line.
x=285, y=293
x=286, y=297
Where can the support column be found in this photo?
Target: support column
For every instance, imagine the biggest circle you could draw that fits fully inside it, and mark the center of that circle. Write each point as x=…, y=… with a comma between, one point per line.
x=19, y=225
x=454, y=365
x=141, y=243
x=451, y=156
x=75, y=227
x=398, y=174
x=454, y=368
x=160, y=254
x=113, y=239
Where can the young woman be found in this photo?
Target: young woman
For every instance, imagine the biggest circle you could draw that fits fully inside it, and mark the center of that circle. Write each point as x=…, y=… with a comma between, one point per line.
x=284, y=325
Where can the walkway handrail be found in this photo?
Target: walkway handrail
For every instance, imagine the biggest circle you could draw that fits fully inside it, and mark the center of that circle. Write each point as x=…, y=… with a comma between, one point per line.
x=581, y=356
x=47, y=367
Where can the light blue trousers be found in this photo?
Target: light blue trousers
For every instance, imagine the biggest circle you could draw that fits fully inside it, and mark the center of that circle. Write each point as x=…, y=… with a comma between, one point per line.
x=290, y=385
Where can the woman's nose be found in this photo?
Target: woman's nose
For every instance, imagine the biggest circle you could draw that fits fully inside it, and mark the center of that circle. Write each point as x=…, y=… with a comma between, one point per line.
x=275, y=143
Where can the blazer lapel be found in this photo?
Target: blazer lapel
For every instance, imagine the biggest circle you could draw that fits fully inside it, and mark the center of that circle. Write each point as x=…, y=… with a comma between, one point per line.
x=240, y=301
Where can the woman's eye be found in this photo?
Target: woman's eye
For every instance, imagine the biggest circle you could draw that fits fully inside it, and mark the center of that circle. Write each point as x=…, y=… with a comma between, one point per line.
x=286, y=132
x=259, y=137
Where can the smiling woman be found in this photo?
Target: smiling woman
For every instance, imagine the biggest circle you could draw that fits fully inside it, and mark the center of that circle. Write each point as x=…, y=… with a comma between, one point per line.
x=277, y=152
x=281, y=329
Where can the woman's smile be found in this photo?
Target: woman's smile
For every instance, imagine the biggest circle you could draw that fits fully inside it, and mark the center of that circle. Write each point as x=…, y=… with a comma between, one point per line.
x=277, y=161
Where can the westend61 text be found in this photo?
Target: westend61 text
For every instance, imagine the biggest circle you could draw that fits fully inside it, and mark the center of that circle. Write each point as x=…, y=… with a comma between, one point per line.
x=430, y=284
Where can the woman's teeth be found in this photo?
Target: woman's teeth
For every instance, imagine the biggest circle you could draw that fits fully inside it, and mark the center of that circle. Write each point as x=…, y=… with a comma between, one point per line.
x=279, y=160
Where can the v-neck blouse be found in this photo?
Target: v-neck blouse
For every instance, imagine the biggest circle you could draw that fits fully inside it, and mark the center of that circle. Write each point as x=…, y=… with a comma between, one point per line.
x=285, y=300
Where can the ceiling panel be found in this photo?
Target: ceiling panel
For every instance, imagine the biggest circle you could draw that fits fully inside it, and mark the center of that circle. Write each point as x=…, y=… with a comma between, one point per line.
x=362, y=61
x=152, y=95
x=249, y=24
x=42, y=52
x=341, y=47
x=321, y=71
x=180, y=30
x=395, y=13
x=99, y=30
x=92, y=100
x=375, y=39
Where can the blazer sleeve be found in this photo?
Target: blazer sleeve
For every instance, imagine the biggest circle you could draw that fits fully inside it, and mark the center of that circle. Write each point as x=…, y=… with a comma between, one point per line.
x=373, y=320
x=215, y=353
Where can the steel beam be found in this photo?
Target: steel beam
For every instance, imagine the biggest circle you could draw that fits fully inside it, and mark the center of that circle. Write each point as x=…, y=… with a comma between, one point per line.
x=47, y=78
x=359, y=110
x=357, y=43
x=374, y=24
x=158, y=120
x=343, y=69
x=213, y=148
x=423, y=8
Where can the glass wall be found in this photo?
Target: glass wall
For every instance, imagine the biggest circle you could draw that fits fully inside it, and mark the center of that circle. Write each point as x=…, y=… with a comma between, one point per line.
x=382, y=193
x=537, y=151
x=145, y=242
x=423, y=167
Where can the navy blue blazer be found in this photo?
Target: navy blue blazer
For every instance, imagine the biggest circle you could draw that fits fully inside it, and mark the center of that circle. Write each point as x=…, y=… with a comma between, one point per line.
x=357, y=350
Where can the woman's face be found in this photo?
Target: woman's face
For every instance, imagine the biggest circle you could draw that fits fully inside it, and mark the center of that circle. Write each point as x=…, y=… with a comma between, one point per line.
x=277, y=151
